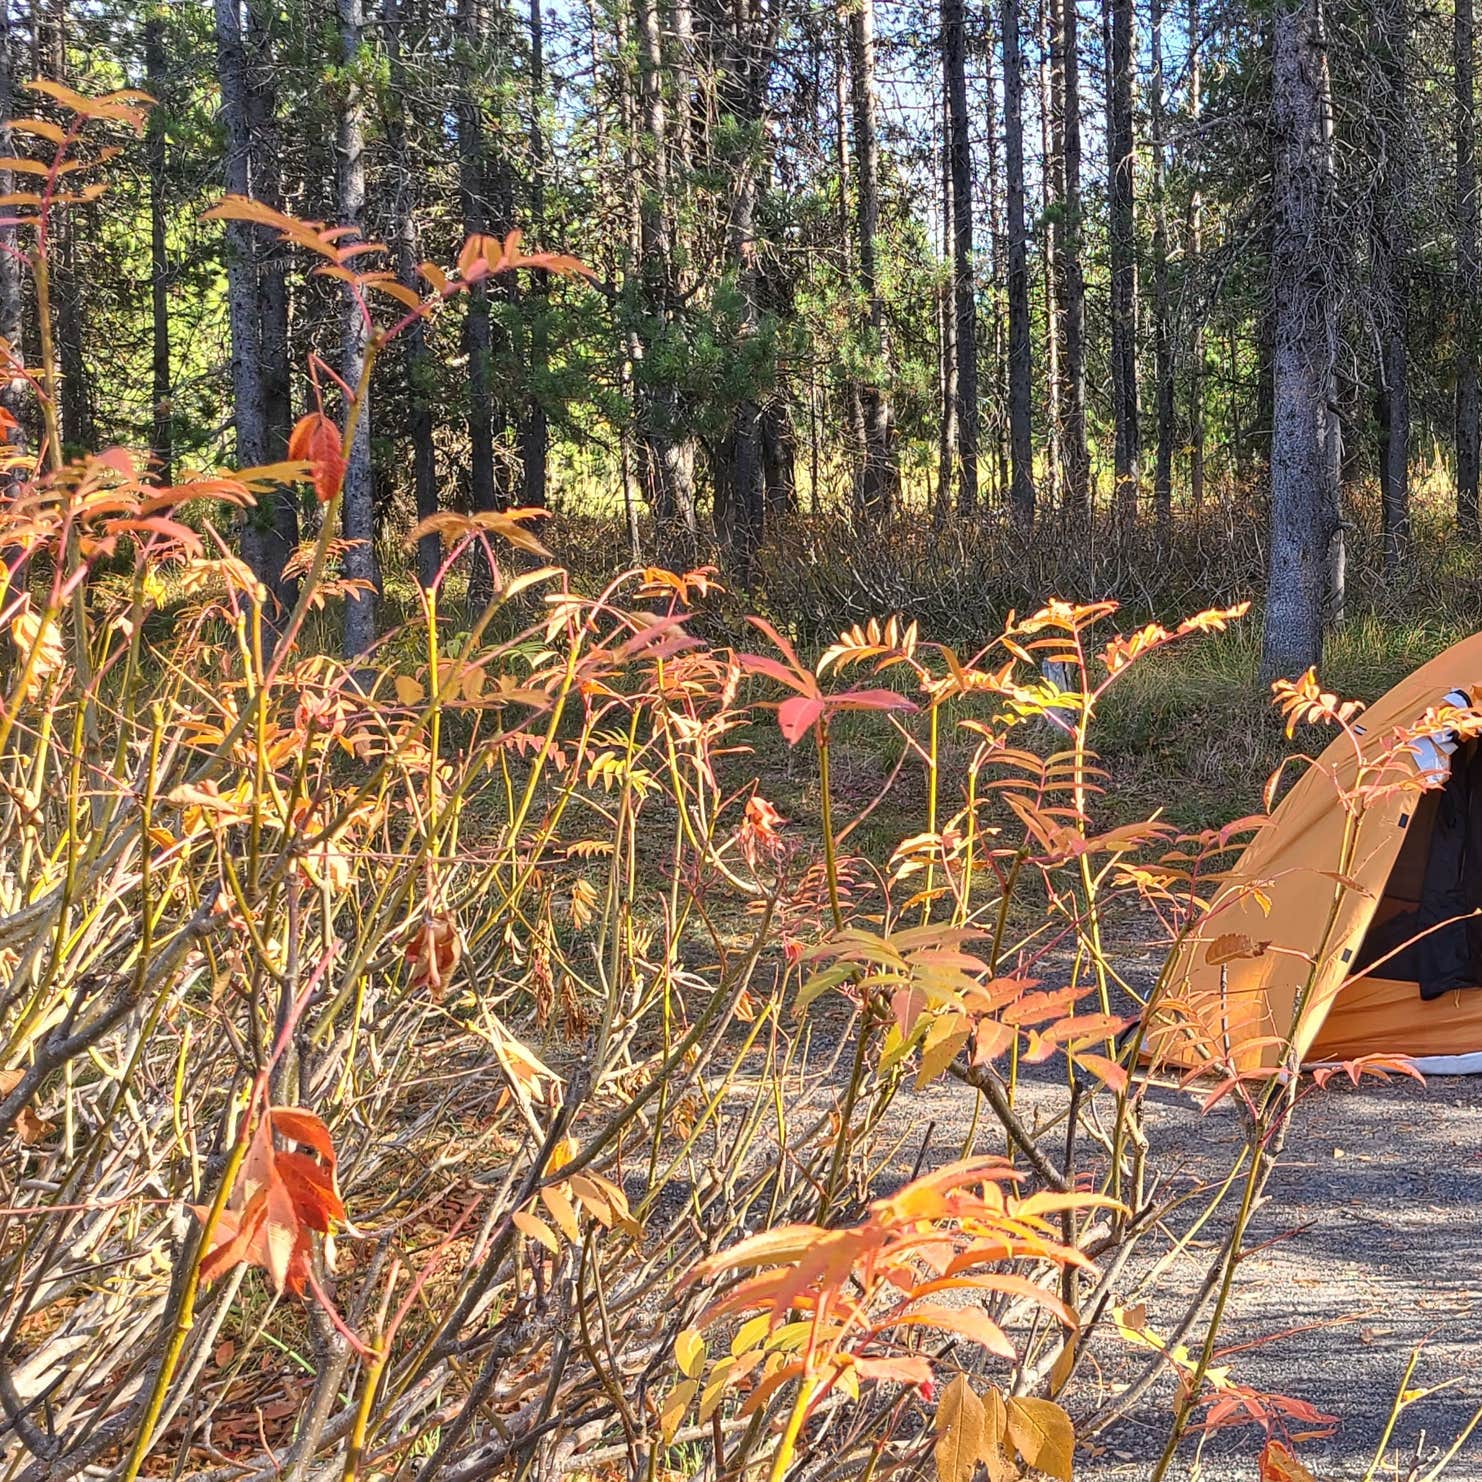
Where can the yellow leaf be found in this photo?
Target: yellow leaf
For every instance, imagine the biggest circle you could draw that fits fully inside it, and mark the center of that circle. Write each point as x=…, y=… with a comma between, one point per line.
x=720, y=1381
x=674, y=1408
x=995, y=1453
x=1042, y=1434
x=558, y=1202
x=689, y=1353
x=537, y=1229
x=750, y=1333
x=593, y=1200
x=1060, y=1372
x=943, y=1040
x=961, y=1424
x=408, y=690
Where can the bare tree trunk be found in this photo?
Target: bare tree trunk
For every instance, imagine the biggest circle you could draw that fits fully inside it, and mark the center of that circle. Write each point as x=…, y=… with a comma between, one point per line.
x=1051, y=182
x=1021, y=445
x=13, y=392
x=1292, y=634
x=946, y=324
x=1163, y=327
x=161, y=441
x=876, y=478
x=1071, y=289
x=741, y=464
x=963, y=313
x=1392, y=275
x=359, y=497
x=854, y=407
x=1332, y=526
x=997, y=297
x=241, y=271
x=278, y=511
x=478, y=342
x=1194, y=252
x=534, y=427
x=665, y=459
x=1122, y=145
x=1468, y=277
x=414, y=345
x=76, y=396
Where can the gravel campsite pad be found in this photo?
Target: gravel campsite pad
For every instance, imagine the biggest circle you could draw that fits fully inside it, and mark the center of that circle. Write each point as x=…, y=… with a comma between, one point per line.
x=1369, y=1245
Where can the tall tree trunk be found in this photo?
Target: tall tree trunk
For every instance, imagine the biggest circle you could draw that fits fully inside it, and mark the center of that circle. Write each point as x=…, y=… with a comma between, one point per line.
x=1021, y=447
x=161, y=440
x=854, y=406
x=741, y=461
x=241, y=271
x=963, y=312
x=13, y=390
x=278, y=511
x=534, y=424
x=1468, y=277
x=419, y=370
x=876, y=476
x=76, y=398
x=1332, y=527
x=1163, y=328
x=478, y=342
x=359, y=498
x=1292, y=633
x=946, y=327
x=1051, y=182
x=665, y=458
x=1392, y=278
x=1070, y=291
x=1121, y=145
x=1194, y=253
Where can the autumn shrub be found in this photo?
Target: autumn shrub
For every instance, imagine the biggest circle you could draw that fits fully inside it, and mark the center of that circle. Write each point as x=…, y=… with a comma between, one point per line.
x=451, y=1064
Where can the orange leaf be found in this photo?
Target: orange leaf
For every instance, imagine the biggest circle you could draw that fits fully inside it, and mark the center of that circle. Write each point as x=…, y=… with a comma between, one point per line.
x=1231, y=946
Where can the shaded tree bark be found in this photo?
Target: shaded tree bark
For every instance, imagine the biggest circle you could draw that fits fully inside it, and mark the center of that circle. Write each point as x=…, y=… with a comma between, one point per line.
x=1162, y=325
x=13, y=395
x=50, y=23
x=1070, y=289
x=278, y=511
x=419, y=371
x=665, y=459
x=875, y=481
x=741, y=464
x=534, y=424
x=162, y=420
x=1121, y=144
x=478, y=340
x=946, y=339
x=358, y=511
x=1468, y=277
x=1021, y=449
x=962, y=313
x=248, y=407
x=1291, y=639
x=1392, y=280
x=1194, y=252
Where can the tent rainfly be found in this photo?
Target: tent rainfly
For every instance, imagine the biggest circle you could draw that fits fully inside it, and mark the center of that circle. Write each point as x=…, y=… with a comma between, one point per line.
x=1359, y=925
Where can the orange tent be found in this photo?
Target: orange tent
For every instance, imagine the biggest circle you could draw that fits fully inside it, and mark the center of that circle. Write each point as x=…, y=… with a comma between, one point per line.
x=1308, y=916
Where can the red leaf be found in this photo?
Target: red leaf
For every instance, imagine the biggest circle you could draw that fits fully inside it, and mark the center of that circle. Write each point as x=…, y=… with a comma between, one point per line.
x=315, y=440
x=799, y=715
x=870, y=700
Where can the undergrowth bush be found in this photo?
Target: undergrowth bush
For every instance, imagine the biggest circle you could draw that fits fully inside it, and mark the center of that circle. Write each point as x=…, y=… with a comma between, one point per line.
x=451, y=1064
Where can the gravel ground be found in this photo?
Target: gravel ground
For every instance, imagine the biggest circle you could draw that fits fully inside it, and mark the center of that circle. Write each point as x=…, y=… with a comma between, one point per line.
x=1368, y=1247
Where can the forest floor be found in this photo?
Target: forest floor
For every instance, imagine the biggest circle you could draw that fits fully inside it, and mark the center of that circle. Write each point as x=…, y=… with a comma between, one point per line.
x=1368, y=1246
